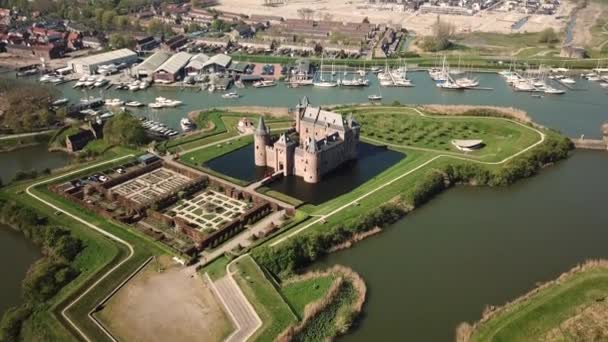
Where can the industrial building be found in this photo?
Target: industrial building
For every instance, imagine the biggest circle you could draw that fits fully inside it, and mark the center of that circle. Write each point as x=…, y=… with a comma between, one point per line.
x=172, y=69
x=88, y=65
x=150, y=64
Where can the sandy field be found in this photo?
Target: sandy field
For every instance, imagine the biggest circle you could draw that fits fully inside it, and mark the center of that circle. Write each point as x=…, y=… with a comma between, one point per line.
x=170, y=305
x=585, y=19
x=357, y=10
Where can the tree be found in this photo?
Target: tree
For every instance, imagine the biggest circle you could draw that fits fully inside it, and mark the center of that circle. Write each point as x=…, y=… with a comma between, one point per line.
x=306, y=13
x=366, y=20
x=548, y=35
x=440, y=40
x=119, y=41
x=124, y=129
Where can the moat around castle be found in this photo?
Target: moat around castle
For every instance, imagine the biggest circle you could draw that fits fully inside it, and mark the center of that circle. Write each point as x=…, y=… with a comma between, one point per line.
x=371, y=161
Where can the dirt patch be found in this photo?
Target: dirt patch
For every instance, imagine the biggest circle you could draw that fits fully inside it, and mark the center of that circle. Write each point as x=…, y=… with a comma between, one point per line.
x=386, y=13
x=164, y=302
x=585, y=19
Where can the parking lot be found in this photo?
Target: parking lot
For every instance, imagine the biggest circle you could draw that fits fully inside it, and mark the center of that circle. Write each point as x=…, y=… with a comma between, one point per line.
x=151, y=185
x=209, y=210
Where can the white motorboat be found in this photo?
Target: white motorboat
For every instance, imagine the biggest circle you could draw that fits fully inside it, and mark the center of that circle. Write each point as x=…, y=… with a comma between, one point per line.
x=466, y=82
x=134, y=104
x=186, y=125
x=231, y=95
x=568, y=80
x=60, y=102
x=144, y=85
x=264, y=84
x=114, y=102
x=46, y=78
x=554, y=91
x=100, y=82
x=56, y=79
x=325, y=84
x=449, y=85
x=403, y=83
x=155, y=105
x=374, y=97
x=134, y=86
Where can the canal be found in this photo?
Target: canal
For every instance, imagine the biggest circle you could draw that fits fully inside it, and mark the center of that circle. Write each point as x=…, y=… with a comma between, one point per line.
x=30, y=158
x=16, y=256
x=472, y=247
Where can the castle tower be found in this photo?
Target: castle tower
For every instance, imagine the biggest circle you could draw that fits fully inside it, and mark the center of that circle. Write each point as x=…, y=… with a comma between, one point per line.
x=312, y=157
x=260, y=140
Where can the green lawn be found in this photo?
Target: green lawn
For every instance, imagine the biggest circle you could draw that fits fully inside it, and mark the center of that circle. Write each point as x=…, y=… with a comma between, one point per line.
x=216, y=269
x=402, y=126
x=532, y=319
x=274, y=312
x=300, y=293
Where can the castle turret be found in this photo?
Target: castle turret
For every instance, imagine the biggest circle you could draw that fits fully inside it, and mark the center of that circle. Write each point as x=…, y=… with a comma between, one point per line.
x=312, y=158
x=261, y=139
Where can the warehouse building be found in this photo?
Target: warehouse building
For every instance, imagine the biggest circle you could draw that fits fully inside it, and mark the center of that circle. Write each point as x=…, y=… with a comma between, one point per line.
x=150, y=64
x=172, y=69
x=217, y=63
x=88, y=65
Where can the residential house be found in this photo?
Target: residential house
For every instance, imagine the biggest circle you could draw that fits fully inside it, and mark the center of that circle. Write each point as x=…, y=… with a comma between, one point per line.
x=174, y=43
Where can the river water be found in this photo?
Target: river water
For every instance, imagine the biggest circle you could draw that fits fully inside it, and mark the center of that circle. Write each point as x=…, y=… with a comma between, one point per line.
x=30, y=158
x=16, y=256
x=467, y=248
x=471, y=247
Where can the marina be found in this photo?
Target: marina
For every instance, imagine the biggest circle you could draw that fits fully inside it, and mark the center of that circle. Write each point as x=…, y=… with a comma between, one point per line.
x=573, y=112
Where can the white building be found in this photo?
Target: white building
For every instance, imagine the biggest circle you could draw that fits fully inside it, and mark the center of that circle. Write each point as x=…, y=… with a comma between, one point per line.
x=88, y=65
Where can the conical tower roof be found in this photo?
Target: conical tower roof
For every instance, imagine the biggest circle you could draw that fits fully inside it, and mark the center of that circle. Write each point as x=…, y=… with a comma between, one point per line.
x=261, y=129
x=312, y=146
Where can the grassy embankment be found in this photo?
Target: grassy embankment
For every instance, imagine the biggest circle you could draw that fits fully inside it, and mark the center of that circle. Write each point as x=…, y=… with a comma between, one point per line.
x=312, y=307
x=570, y=308
x=26, y=141
x=99, y=255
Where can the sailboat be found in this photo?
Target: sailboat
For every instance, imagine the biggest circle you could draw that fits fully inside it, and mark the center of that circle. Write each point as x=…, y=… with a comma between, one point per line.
x=321, y=82
x=375, y=97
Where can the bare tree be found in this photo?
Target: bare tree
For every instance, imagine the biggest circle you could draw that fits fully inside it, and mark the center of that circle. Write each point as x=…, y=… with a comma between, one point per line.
x=306, y=13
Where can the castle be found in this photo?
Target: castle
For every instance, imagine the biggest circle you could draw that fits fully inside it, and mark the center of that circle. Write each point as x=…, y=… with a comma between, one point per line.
x=322, y=141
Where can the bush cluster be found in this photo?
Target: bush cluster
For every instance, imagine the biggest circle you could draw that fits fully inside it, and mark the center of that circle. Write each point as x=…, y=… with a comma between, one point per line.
x=302, y=250
x=48, y=275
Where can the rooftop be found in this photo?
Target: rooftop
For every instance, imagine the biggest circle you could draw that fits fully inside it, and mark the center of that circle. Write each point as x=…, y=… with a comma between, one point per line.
x=175, y=63
x=104, y=57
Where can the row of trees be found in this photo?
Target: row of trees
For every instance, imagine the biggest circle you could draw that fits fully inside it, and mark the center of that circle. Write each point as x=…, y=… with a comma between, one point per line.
x=48, y=275
x=302, y=250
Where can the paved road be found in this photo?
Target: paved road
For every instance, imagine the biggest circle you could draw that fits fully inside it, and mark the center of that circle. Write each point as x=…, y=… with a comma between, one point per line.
x=238, y=307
